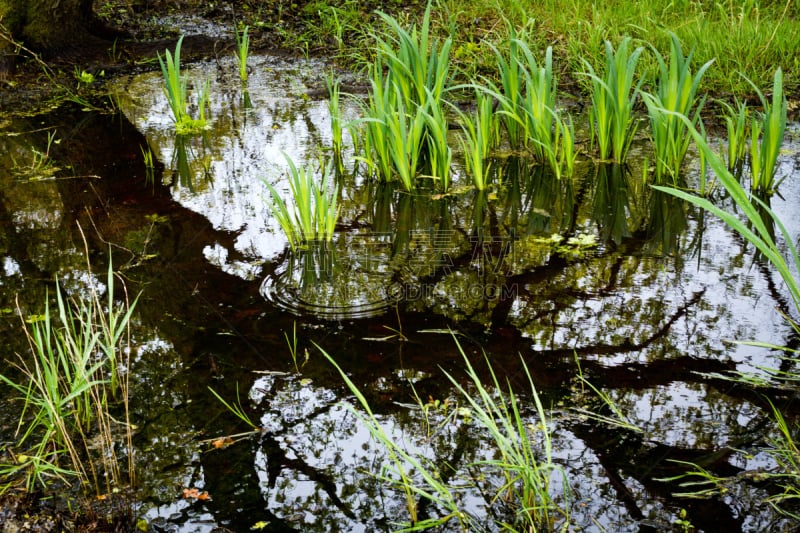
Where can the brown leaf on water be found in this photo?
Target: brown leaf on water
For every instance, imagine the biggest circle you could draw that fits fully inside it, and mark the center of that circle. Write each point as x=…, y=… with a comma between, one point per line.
x=195, y=494
x=222, y=442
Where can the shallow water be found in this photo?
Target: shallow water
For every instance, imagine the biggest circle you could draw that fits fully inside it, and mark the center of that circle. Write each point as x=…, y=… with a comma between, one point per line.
x=648, y=308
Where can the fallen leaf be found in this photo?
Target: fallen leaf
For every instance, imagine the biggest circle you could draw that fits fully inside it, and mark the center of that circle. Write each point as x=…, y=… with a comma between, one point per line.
x=260, y=525
x=223, y=442
x=195, y=494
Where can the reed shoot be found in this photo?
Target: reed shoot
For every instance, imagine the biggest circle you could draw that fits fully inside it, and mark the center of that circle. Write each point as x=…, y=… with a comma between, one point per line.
x=676, y=92
x=176, y=91
x=766, y=138
x=613, y=98
x=335, y=111
x=313, y=211
x=736, y=123
x=242, y=52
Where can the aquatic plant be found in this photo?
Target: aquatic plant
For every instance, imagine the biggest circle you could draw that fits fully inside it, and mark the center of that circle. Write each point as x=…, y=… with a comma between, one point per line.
x=335, y=111
x=176, y=91
x=439, y=155
x=613, y=98
x=511, y=89
x=416, y=63
x=675, y=92
x=242, y=51
x=479, y=134
x=736, y=123
x=313, y=210
x=766, y=138
x=523, y=463
x=235, y=408
x=67, y=386
x=406, y=127
x=759, y=218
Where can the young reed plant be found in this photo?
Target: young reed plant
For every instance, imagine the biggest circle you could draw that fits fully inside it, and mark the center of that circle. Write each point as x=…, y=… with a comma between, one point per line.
x=613, y=98
x=312, y=213
x=335, y=111
x=766, y=138
x=72, y=380
x=242, y=52
x=439, y=155
x=378, y=113
x=478, y=138
x=539, y=104
x=737, y=121
x=175, y=85
x=176, y=91
x=511, y=89
x=410, y=76
x=414, y=60
x=675, y=93
x=757, y=215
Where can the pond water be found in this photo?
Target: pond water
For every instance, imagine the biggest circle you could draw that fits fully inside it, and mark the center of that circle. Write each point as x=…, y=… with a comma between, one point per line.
x=646, y=302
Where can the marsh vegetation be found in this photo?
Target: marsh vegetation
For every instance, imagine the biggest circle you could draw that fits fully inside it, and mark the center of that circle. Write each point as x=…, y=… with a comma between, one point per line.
x=479, y=269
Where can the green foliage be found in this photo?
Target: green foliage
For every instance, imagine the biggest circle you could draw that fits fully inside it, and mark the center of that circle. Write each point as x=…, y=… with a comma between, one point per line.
x=314, y=209
x=335, y=111
x=175, y=89
x=523, y=460
x=406, y=126
x=736, y=119
x=242, y=51
x=766, y=138
x=70, y=377
x=676, y=92
x=479, y=131
x=235, y=408
x=613, y=98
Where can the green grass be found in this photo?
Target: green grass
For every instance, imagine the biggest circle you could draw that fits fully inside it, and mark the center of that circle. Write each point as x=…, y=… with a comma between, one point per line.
x=313, y=211
x=176, y=91
x=478, y=132
x=613, y=97
x=736, y=118
x=337, y=129
x=242, y=52
x=766, y=138
x=72, y=379
x=676, y=91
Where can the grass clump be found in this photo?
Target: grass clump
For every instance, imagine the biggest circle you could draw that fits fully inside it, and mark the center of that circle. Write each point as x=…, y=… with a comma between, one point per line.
x=313, y=211
x=613, y=98
x=522, y=466
x=176, y=91
x=675, y=93
x=766, y=138
x=70, y=385
x=242, y=52
x=405, y=120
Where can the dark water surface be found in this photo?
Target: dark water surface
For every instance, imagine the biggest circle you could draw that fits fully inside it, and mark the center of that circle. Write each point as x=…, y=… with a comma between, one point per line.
x=648, y=302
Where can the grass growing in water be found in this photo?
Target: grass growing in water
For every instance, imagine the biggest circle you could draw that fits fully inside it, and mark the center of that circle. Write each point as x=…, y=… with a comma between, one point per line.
x=756, y=229
x=523, y=460
x=736, y=119
x=676, y=92
x=313, y=211
x=242, y=52
x=766, y=137
x=613, y=98
x=176, y=91
x=71, y=378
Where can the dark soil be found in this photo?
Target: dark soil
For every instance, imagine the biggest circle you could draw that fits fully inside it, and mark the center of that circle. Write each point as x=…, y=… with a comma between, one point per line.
x=128, y=35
